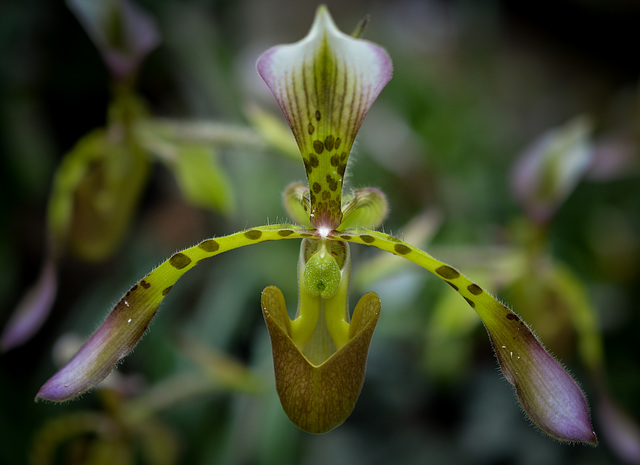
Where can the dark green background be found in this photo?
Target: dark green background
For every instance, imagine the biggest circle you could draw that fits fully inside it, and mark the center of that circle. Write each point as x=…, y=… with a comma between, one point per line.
x=474, y=84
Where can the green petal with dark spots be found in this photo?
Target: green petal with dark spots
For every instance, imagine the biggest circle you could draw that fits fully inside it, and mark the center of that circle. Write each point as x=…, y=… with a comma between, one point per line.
x=325, y=84
x=132, y=315
x=547, y=393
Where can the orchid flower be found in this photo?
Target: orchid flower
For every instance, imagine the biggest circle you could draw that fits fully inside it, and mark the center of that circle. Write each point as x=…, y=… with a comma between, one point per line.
x=325, y=85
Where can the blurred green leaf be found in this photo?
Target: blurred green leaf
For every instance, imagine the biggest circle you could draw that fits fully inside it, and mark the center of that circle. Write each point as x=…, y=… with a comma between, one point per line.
x=448, y=344
x=201, y=178
x=274, y=131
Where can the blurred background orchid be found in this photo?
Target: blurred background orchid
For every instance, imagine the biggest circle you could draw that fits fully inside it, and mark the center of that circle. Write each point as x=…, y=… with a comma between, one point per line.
x=476, y=88
x=98, y=185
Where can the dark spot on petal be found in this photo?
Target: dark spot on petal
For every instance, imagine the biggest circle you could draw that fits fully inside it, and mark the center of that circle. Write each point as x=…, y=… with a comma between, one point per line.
x=317, y=187
x=447, y=272
x=474, y=289
x=328, y=142
x=132, y=289
x=512, y=317
x=470, y=302
x=253, y=234
x=310, y=128
x=318, y=146
x=286, y=232
x=401, y=249
x=337, y=143
x=335, y=160
x=179, y=261
x=313, y=159
x=326, y=195
x=368, y=239
x=341, y=169
x=145, y=284
x=209, y=245
x=452, y=285
x=346, y=238
x=333, y=184
x=166, y=290
x=318, y=115
x=343, y=156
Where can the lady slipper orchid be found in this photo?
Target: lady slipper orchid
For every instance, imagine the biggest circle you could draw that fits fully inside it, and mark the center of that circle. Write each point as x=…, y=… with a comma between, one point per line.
x=325, y=84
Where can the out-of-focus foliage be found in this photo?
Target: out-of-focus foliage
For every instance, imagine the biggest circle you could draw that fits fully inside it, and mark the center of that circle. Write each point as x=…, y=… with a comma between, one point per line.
x=97, y=187
x=475, y=84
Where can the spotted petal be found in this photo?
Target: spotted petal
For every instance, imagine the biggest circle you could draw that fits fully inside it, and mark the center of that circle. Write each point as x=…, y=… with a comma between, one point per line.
x=547, y=393
x=132, y=315
x=325, y=84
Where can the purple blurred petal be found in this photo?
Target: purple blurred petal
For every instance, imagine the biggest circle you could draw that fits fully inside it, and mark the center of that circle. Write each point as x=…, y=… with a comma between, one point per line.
x=123, y=32
x=613, y=157
x=619, y=429
x=548, y=171
x=33, y=309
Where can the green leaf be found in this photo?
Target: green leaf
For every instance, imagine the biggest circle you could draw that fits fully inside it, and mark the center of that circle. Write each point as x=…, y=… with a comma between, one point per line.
x=276, y=134
x=448, y=338
x=201, y=178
